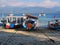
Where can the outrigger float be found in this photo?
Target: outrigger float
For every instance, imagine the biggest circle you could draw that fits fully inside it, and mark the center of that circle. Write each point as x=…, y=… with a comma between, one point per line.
x=27, y=21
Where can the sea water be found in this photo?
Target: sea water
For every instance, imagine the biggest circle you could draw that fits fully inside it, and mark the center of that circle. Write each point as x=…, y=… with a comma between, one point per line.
x=43, y=20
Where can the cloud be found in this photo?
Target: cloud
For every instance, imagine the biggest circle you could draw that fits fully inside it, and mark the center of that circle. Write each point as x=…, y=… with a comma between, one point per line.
x=49, y=4
x=45, y=3
x=17, y=4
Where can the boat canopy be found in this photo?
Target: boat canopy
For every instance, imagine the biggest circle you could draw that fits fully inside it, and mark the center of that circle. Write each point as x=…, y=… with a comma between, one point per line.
x=31, y=16
x=14, y=19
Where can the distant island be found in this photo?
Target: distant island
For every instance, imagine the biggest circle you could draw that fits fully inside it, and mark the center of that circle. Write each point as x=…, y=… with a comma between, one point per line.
x=55, y=10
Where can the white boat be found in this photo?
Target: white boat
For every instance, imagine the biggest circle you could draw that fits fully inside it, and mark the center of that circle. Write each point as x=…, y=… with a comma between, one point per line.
x=42, y=14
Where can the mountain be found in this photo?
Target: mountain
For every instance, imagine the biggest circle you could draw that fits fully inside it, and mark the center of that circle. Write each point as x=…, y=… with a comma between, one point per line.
x=55, y=10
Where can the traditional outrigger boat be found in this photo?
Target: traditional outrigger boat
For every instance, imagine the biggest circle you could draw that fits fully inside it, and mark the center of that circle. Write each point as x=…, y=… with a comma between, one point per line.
x=54, y=24
x=27, y=21
x=31, y=22
x=13, y=21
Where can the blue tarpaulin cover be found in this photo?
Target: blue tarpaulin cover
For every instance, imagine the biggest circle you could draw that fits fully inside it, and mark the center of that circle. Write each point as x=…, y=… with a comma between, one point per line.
x=1, y=24
x=11, y=25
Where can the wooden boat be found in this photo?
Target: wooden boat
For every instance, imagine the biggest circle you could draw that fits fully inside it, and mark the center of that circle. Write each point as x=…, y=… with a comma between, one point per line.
x=13, y=21
x=27, y=21
x=30, y=22
x=54, y=24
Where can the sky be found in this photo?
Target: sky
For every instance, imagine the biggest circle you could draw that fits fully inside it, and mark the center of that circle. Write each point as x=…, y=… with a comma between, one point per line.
x=30, y=3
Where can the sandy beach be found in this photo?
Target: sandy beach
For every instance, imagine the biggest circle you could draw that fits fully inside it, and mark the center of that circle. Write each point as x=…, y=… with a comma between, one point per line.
x=38, y=37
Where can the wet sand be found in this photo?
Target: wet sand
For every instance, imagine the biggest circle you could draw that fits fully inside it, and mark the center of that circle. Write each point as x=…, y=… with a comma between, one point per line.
x=38, y=37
